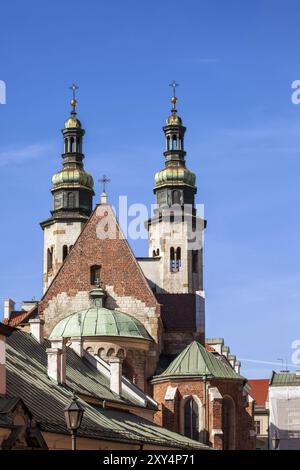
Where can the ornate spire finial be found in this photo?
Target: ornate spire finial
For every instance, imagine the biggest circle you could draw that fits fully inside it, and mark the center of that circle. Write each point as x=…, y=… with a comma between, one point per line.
x=174, y=85
x=74, y=88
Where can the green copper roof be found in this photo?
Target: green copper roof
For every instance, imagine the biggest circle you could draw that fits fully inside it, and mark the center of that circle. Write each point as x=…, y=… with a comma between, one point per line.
x=283, y=379
x=195, y=360
x=99, y=321
x=70, y=177
x=175, y=175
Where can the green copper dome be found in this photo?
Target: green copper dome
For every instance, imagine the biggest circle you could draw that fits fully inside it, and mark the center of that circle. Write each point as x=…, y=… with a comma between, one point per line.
x=99, y=321
x=175, y=176
x=77, y=177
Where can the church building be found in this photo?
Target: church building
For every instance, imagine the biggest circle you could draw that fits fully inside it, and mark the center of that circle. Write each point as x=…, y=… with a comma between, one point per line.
x=140, y=321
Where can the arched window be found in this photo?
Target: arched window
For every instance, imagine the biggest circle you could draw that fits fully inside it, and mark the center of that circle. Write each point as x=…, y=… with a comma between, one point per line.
x=95, y=275
x=228, y=423
x=66, y=145
x=172, y=259
x=178, y=258
x=168, y=142
x=65, y=252
x=72, y=144
x=174, y=142
x=90, y=350
x=191, y=419
x=176, y=197
x=50, y=259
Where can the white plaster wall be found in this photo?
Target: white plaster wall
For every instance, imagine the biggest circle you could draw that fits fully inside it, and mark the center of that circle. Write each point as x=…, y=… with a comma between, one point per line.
x=163, y=236
x=57, y=235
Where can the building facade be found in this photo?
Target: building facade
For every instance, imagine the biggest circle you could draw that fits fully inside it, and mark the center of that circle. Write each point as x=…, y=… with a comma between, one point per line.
x=142, y=316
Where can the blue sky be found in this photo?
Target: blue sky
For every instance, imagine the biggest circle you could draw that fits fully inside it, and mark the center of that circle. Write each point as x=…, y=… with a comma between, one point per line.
x=235, y=62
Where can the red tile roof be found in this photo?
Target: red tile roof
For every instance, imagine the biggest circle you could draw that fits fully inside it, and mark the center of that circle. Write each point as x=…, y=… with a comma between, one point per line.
x=178, y=311
x=208, y=347
x=18, y=317
x=259, y=390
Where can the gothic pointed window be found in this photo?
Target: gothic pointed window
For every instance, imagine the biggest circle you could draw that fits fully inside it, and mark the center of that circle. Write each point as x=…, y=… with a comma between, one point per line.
x=95, y=275
x=191, y=419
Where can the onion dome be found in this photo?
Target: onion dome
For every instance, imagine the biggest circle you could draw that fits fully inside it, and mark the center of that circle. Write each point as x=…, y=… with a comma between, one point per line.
x=75, y=177
x=176, y=175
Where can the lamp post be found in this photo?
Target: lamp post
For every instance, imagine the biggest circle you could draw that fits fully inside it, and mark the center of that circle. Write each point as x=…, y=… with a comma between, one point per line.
x=73, y=416
x=275, y=442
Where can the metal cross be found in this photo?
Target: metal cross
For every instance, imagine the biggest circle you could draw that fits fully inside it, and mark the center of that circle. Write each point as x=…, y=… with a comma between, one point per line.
x=174, y=85
x=74, y=88
x=104, y=180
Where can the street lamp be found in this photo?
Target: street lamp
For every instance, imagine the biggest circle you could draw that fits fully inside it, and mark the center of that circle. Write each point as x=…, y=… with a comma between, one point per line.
x=275, y=442
x=73, y=416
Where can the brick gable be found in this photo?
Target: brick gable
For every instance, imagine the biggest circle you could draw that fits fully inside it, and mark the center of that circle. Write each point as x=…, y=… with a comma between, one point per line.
x=120, y=273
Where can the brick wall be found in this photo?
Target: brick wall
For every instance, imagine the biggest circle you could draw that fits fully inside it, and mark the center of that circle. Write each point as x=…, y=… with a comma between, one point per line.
x=169, y=412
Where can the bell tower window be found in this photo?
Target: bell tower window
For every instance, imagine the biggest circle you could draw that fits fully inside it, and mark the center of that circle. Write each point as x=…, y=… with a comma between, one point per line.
x=168, y=142
x=175, y=259
x=72, y=144
x=70, y=200
x=174, y=142
x=65, y=252
x=95, y=275
x=49, y=259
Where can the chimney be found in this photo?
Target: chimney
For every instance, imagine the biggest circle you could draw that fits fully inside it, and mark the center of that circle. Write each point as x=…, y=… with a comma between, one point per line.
x=232, y=358
x=116, y=375
x=36, y=326
x=56, y=361
x=77, y=345
x=237, y=366
x=216, y=343
x=4, y=332
x=225, y=351
x=9, y=307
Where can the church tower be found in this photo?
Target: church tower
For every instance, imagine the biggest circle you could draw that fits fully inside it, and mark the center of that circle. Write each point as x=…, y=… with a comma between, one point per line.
x=175, y=231
x=72, y=199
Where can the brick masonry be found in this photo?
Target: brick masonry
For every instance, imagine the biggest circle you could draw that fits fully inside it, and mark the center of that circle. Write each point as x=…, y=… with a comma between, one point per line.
x=121, y=275
x=170, y=414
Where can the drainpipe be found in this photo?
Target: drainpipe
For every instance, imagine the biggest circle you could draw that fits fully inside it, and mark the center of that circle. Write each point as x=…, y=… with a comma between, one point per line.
x=205, y=411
